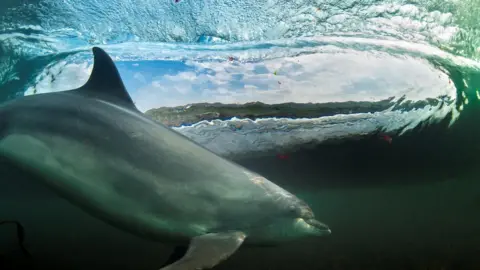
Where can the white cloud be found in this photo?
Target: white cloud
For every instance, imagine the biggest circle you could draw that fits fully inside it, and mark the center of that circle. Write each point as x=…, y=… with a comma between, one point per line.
x=347, y=76
x=139, y=77
x=340, y=75
x=61, y=76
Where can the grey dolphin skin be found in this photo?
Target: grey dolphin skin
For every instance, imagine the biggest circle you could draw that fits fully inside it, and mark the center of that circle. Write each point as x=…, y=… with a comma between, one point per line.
x=94, y=148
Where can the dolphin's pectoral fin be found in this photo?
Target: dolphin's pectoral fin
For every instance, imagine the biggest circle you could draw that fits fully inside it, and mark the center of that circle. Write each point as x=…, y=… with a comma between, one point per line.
x=176, y=255
x=105, y=81
x=208, y=250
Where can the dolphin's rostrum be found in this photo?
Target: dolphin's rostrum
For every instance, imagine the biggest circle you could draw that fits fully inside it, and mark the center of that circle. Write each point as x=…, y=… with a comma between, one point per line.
x=94, y=148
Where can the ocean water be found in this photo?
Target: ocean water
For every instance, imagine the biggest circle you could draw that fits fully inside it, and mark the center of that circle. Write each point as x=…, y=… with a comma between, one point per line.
x=380, y=137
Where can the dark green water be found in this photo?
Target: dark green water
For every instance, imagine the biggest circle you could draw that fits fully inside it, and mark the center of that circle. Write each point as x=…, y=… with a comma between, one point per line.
x=412, y=204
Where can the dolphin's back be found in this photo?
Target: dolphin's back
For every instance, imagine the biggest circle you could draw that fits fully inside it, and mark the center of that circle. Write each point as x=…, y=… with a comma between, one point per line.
x=113, y=160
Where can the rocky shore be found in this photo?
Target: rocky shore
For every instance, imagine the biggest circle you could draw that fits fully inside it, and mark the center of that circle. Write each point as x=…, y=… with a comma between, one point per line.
x=194, y=113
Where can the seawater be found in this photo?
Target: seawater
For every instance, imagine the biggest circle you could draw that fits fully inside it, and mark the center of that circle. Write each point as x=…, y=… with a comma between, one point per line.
x=405, y=69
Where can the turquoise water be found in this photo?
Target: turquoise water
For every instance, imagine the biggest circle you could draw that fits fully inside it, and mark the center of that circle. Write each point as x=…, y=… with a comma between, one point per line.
x=410, y=204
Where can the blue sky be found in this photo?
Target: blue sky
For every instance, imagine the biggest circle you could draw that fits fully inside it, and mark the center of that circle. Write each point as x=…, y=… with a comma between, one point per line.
x=323, y=77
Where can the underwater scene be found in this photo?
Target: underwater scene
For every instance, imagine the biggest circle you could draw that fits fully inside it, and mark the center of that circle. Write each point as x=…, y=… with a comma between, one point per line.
x=240, y=134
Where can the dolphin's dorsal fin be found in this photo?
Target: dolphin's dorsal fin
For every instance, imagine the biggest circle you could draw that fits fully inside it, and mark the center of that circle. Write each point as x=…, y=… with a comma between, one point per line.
x=105, y=82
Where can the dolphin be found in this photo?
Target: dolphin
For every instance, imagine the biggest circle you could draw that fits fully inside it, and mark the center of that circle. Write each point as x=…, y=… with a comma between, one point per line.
x=94, y=148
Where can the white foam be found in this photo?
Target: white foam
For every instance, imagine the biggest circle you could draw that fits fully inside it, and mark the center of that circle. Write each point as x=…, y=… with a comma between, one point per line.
x=242, y=136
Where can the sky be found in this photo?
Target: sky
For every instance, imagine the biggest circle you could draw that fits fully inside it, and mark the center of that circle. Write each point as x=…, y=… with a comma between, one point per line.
x=347, y=75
